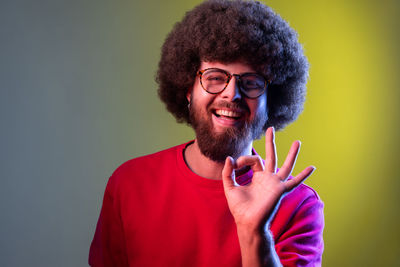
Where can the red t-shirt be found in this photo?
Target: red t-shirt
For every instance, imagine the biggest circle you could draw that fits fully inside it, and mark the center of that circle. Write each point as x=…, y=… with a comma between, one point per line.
x=157, y=212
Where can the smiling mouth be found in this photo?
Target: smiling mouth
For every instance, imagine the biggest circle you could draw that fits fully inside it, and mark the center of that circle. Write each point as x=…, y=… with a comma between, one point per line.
x=227, y=114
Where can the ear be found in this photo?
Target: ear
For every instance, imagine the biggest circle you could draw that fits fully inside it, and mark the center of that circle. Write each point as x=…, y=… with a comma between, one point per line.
x=189, y=94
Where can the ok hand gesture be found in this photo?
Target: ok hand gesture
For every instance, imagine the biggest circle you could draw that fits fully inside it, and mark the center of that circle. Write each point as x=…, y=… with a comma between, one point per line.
x=253, y=205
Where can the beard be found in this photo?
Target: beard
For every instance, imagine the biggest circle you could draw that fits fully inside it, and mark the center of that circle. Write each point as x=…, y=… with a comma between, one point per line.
x=231, y=142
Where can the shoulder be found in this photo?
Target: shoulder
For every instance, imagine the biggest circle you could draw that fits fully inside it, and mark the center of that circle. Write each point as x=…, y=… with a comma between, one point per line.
x=301, y=202
x=301, y=207
x=168, y=154
x=143, y=166
x=302, y=193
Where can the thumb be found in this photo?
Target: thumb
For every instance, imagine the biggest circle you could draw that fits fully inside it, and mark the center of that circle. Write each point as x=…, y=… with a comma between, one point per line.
x=228, y=174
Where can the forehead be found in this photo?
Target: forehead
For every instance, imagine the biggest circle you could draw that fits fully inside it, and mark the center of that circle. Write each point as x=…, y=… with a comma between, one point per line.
x=235, y=67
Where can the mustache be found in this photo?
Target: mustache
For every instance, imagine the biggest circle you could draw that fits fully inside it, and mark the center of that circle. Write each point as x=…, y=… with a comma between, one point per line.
x=240, y=106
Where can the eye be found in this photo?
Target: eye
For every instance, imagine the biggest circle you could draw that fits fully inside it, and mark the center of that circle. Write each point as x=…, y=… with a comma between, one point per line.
x=250, y=83
x=253, y=82
x=215, y=77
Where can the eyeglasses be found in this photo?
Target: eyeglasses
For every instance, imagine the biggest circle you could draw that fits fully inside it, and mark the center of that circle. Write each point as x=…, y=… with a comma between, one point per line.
x=214, y=81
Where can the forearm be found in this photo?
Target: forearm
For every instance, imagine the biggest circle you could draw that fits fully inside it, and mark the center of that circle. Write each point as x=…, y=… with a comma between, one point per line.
x=257, y=248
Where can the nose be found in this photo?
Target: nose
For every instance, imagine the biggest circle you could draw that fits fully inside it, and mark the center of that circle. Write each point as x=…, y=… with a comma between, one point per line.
x=232, y=91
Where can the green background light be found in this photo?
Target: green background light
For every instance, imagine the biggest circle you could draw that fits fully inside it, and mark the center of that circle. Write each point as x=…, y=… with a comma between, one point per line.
x=78, y=98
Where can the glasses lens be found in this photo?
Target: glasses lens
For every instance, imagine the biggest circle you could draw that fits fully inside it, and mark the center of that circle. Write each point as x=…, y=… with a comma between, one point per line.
x=214, y=80
x=253, y=85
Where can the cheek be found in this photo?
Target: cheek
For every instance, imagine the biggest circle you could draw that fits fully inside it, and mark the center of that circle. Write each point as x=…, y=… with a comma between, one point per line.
x=202, y=99
x=199, y=104
x=258, y=106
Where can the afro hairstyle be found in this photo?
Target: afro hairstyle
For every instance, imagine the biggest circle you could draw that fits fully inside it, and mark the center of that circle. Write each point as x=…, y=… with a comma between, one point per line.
x=231, y=31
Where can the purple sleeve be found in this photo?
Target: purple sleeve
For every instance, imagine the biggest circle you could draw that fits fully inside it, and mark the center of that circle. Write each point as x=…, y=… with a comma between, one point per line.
x=298, y=228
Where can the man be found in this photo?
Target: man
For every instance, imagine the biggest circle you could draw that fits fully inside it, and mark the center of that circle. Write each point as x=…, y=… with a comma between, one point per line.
x=232, y=70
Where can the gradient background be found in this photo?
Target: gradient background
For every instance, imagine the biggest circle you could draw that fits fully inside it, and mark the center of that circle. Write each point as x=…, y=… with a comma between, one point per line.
x=78, y=98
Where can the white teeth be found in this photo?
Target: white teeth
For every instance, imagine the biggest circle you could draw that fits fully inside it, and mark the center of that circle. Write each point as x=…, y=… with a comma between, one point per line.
x=227, y=113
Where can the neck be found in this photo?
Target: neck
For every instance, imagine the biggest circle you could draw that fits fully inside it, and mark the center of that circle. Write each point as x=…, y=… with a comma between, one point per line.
x=205, y=167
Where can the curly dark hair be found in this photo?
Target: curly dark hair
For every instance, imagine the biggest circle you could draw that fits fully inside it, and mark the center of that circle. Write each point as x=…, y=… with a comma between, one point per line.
x=230, y=31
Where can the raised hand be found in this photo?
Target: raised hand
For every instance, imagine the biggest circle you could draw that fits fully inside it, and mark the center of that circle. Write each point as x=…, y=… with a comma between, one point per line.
x=253, y=205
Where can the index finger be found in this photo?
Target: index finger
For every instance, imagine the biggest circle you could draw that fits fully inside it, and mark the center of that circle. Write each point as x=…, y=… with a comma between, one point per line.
x=270, y=150
x=254, y=161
